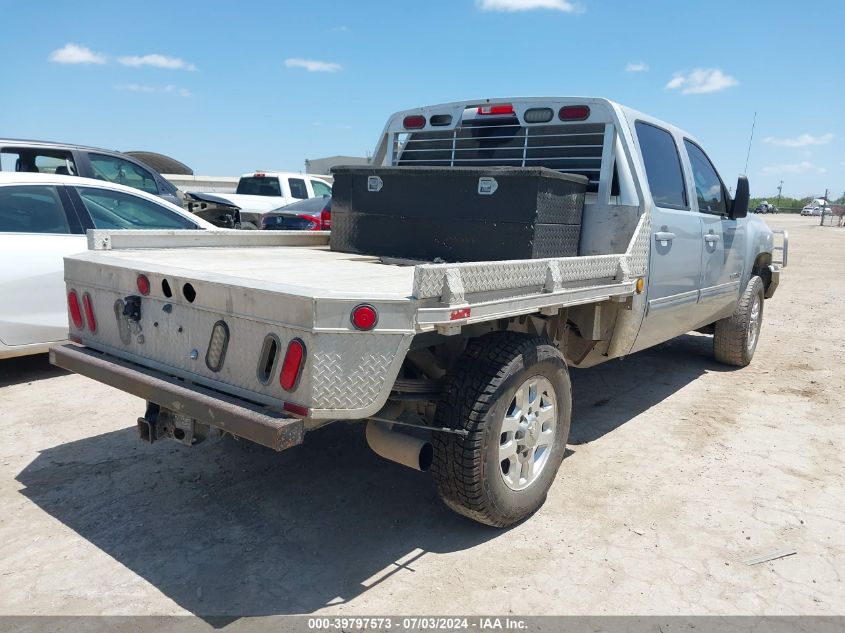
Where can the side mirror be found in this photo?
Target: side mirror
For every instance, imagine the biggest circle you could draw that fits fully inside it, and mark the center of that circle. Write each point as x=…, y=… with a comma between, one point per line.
x=739, y=206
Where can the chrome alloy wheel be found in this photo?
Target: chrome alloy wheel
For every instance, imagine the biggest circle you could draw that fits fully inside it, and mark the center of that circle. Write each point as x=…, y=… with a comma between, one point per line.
x=528, y=433
x=754, y=324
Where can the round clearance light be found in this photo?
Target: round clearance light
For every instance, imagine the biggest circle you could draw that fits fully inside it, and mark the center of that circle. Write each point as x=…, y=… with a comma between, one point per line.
x=414, y=122
x=364, y=317
x=640, y=285
x=143, y=284
x=539, y=115
x=440, y=119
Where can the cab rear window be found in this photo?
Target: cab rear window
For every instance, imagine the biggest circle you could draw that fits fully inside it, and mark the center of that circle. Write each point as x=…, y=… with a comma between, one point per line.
x=252, y=186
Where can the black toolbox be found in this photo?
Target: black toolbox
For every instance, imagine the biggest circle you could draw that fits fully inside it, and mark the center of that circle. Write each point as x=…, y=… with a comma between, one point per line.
x=456, y=214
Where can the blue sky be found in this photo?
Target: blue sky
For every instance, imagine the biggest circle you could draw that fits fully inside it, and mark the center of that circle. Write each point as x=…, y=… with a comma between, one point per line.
x=230, y=87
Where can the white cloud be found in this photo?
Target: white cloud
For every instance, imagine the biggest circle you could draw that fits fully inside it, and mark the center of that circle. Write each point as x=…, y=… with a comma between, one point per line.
x=636, y=67
x=75, y=54
x=803, y=140
x=159, y=61
x=795, y=168
x=528, y=5
x=182, y=92
x=341, y=29
x=700, y=81
x=312, y=65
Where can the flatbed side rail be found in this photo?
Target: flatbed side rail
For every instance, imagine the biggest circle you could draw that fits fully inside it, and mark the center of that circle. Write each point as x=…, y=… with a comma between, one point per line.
x=783, y=248
x=107, y=240
x=451, y=283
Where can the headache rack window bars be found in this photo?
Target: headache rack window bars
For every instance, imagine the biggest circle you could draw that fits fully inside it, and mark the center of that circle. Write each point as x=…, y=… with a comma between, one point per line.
x=569, y=148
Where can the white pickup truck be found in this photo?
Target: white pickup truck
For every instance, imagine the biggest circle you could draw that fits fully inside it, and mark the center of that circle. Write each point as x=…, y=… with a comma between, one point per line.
x=267, y=336
x=257, y=193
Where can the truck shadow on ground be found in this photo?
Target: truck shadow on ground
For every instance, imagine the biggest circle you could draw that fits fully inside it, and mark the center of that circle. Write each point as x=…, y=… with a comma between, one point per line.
x=608, y=395
x=234, y=528
x=16, y=371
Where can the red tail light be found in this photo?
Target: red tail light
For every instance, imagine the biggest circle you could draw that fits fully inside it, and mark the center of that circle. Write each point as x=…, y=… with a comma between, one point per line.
x=88, y=306
x=313, y=223
x=74, y=309
x=502, y=108
x=292, y=366
x=414, y=122
x=143, y=285
x=296, y=409
x=574, y=113
x=326, y=220
x=364, y=317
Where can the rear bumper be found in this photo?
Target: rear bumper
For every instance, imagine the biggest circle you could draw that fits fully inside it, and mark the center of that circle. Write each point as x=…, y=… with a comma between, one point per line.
x=233, y=415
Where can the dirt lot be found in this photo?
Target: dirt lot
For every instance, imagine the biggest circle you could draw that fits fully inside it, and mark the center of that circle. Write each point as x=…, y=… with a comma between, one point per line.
x=680, y=469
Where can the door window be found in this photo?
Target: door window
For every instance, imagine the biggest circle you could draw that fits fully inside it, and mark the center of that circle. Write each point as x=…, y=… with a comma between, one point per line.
x=118, y=210
x=708, y=186
x=32, y=209
x=123, y=172
x=662, y=166
x=298, y=188
x=320, y=189
x=37, y=161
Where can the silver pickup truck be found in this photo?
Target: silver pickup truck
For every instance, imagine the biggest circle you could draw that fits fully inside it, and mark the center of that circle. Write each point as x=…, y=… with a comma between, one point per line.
x=460, y=368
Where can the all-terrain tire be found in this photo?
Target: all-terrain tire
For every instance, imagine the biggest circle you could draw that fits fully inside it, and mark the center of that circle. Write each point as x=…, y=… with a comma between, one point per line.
x=477, y=395
x=735, y=337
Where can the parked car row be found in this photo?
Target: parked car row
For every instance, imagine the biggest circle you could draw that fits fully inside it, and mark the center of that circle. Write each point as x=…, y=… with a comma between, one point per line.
x=765, y=207
x=52, y=193
x=257, y=195
x=812, y=209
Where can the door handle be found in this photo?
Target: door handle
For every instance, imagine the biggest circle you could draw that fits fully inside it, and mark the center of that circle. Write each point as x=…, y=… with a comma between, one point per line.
x=664, y=236
x=711, y=238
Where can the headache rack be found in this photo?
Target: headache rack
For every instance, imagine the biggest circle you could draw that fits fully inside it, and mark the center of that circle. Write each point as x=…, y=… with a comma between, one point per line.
x=572, y=148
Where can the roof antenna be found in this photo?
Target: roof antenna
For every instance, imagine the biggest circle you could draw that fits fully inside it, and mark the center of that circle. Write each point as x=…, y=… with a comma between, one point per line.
x=749, y=142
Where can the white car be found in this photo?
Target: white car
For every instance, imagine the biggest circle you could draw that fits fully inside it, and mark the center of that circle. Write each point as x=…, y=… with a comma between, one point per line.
x=43, y=218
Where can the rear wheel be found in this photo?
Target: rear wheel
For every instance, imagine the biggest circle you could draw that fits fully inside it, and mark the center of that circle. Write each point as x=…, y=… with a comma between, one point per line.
x=735, y=337
x=511, y=394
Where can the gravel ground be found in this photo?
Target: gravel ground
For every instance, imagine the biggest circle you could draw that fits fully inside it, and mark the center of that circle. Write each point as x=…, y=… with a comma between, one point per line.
x=680, y=469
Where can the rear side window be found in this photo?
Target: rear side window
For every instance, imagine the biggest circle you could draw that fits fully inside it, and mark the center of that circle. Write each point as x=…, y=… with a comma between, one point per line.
x=259, y=186
x=32, y=209
x=123, y=172
x=298, y=188
x=662, y=166
x=118, y=210
x=40, y=161
x=320, y=189
x=708, y=185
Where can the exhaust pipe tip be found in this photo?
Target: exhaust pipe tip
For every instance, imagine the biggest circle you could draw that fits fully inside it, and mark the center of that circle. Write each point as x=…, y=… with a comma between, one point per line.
x=398, y=447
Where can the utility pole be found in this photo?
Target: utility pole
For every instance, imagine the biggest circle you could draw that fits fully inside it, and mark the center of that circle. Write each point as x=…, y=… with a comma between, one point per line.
x=824, y=206
x=780, y=188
